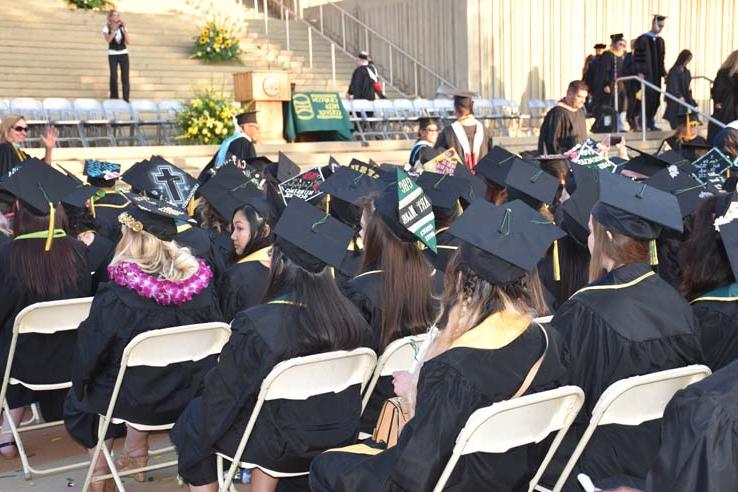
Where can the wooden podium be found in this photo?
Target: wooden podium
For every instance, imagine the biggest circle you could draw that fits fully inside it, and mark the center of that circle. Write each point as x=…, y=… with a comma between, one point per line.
x=266, y=91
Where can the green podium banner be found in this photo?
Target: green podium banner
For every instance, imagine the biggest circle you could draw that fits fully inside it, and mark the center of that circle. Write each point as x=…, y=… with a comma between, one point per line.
x=318, y=113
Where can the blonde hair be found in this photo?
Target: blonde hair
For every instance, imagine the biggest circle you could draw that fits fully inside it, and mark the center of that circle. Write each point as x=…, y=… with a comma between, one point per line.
x=165, y=259
x=731, y=64
x=7, y=123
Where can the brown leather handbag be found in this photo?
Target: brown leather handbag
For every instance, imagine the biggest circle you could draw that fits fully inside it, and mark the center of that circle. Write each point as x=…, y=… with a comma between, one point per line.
x=393, y=416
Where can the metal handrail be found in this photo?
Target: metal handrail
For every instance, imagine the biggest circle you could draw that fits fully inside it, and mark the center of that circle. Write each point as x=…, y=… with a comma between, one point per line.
x=697, y=77
x=646, y=84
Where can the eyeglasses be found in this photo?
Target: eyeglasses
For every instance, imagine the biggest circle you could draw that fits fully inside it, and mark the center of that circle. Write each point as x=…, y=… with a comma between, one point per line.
x=20, y=129
x=432, y=130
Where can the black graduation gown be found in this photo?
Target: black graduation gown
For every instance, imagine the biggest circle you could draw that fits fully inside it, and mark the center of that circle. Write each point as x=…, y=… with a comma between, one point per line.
x=474, y=373
x=678, y=83
x=699, y=449
x=649, y=60
x=362, y=85
x=213, y=247
x=717, y=314
x=609, y=68
x=287, y=433
x=99, y=255
x=724, y=93
x=38, y=358
x=365, y=291
x=107, y=210
x=629, y=322
x=561, y=130
x=447, y=139
x=243, y=284
x=10, y=157
x=148, y=395
x=350, y=266
x=687, y=152
x=447, y=246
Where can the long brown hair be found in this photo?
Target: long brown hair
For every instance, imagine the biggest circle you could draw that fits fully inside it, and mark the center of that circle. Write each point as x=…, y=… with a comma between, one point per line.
x=46, y=274
x=619, y=249
x=407, y=304
x=731, y=64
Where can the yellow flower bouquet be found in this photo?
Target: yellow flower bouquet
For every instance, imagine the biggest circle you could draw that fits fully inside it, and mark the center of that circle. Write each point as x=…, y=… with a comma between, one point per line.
x=207, y=118
x=216, y=42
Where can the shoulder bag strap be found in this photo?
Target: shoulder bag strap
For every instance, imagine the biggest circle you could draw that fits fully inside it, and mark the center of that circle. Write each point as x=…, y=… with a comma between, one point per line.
x=534, y=369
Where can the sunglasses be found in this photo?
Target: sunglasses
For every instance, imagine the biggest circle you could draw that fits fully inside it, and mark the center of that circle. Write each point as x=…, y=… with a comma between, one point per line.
x=20, y=128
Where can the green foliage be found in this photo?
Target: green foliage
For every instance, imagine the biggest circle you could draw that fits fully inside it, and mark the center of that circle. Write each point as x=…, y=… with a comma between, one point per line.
x=216, y=43
x=92, y=4
x=207, y=118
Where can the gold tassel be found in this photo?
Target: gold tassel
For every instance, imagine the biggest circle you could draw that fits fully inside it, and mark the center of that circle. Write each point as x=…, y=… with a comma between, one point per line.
x=191, y=207
x=92, y=207
x=333, y=272
x=50, y=233
x=653, y=254
x=556, y=265
x=327, y=204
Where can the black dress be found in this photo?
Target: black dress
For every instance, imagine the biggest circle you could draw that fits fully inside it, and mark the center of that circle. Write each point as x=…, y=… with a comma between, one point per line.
x=629, y=322
x=107, y=209
x=717, y=313
x=148, y=395
x=365, y=291
x=288, y=434
x=243, y=285
x=10, y=157
x=38, y=358
x=699, y=449
x=561, y=130
x=678, y=83
x=479, y=369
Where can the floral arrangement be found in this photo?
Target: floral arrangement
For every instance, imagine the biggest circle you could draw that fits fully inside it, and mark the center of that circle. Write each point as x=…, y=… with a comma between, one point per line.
x=163, y=292
x=216, y=43
x=92, y=4
x=207, y=118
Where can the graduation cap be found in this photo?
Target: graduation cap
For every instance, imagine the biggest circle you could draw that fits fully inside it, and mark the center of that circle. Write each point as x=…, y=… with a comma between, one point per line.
x=41, y=187
x=475, y=185
x=407, y=211
x=617, y=37
x=645, y=163
x=659, y=17
x=80, y=195
x=305, y=186
x=310, y=237
x=328, y=170
x=600, y=46
x=352, y=186
x=462, y=97
x=362, y=55
x=286, y=169
x=246, y=117
x=365, y=168
x=503, y=243
x=161, y=180
x=528, y=180
x=698, y=146
x=443, y=190
x=726, y=222
x=260, y=162
x=228, y=190
x=673, y=157
x=680, y=182
x=101, y=170
x=495, y=165
x=578, y=208
x=156, y=217
x=636, y=210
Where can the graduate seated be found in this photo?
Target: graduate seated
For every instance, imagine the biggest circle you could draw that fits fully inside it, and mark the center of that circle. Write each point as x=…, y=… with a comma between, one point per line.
x=709, y=260
x=155, y=284
x=36, y=267
x=684, y=140
x=305, y=314
x=628, y=321
x=107, y=202
x=485, y=352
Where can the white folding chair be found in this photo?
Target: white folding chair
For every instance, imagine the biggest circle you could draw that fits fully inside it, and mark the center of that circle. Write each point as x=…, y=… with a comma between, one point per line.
x=632, y=401
x=62, y=115
x=33, y=112
x=423, y=107
x=95, y=125
x=168, y=110
x=443, y=109
x=42, y=318
x=392, y=120
x=147, y=113
x=155, y=348
x=122, y=117
x=483, y=109
x=368, y=126
x=512, y=423
x=4, y=106
x=299, y=379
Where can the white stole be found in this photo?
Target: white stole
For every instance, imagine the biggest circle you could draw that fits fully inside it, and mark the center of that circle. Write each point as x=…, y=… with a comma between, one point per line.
x=471, y=157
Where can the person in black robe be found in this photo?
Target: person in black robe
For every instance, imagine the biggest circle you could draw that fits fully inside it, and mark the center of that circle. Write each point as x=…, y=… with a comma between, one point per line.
x=609, y=68
x=565, y=125
x=481, y=355
x=467, y=135
x=244, y=283
x=303, y=302
x=13, y=133
x=239, y=146
x=631, y=88
x=724, y=94
x=61, y=272
x=394, y=291
x=678, y=82
x=422, y=149
x=649, y=64
x=128, y=306
x=363, y=79
x=626, y=322
x=684, y=140
x=709, y=260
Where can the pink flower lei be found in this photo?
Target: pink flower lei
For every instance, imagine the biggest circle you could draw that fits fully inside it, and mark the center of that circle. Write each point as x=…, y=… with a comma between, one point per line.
x=164, y=292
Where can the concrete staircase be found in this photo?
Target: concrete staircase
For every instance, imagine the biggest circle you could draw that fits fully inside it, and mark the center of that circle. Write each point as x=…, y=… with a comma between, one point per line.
x=52, y=51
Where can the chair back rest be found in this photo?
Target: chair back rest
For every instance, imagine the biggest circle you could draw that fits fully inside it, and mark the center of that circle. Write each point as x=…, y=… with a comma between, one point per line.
x=362, y=105
x=89, y=108
x=404, y=105
x=144, y=106
x=638, y=399
x=331, y=372
x=187, y=343
x=170, y=107
x=400, y=355
x=117, y=109
x=59, y=108
x=443, y=106
x=483, y=107
x=4, y=106
x=28, y=107
x=346, y=103
x=52, y=316
x=423, y=107
x=525, y=420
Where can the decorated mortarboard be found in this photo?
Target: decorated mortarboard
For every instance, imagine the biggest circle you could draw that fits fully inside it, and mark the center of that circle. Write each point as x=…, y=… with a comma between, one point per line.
x=352, y=186
x=228, y=190
x=101, y=169
x=588, y=156
x=156, y=217
x=368, y=168
x=407, y=211
x=328, y=170
x=286, y=168
x=496, y=164
x=443, y=190
x=713, y=167
x=726, y=223
x=311, y=238
x=680, y=182
x=503, y=243
x=644, y=163
x=528, y=180
x=160, y=179
x=305, y=186
x=636, y=210
x=444, y=162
